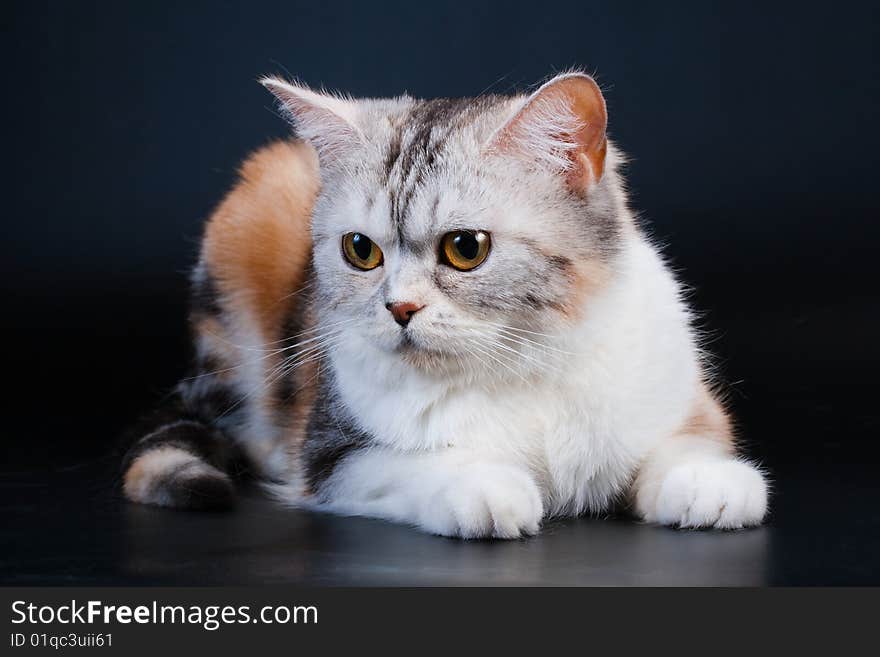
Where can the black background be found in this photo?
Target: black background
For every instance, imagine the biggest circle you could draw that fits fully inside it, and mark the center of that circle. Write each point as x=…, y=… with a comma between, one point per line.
x=752, y=131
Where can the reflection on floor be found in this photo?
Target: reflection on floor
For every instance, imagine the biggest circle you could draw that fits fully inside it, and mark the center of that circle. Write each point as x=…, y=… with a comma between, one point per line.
x=68, y=526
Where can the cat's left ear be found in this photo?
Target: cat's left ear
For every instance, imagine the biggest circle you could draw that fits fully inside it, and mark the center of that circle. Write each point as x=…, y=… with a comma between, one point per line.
x=560, y=126
x=327, y=121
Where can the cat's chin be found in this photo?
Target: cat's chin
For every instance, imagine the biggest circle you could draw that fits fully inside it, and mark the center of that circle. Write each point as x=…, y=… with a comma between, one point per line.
x=413, y=352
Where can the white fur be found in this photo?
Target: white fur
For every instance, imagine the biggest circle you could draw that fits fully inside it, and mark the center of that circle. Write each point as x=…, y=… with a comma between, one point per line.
x=574, y=430
x=493, y=447
x=448, y=492
x=692, y=482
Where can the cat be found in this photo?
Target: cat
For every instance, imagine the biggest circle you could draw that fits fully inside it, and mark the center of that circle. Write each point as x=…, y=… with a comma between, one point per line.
x=443, y=313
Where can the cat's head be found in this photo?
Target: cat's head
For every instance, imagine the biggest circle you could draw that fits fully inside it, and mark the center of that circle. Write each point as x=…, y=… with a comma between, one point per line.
x=475, y=227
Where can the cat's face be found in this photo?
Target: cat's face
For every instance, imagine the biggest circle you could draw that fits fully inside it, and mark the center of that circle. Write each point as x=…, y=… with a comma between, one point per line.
x=442, y=236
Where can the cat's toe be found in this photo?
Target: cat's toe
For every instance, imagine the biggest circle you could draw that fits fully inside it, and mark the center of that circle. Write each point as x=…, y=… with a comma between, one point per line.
x=722, y=494
x=486, y=501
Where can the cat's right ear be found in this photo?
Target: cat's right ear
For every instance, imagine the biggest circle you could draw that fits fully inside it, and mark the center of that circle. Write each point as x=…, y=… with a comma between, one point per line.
x=327, y=121
x=562, y=127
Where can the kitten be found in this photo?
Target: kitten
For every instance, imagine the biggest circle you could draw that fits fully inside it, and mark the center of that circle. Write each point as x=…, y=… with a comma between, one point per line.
x=443, y=313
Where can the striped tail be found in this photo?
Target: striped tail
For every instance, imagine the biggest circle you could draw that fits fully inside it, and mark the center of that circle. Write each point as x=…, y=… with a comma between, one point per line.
x=179, y=460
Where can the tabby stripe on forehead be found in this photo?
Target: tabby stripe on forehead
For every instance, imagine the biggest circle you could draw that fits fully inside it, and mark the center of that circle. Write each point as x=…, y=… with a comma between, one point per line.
x=393, y=154
x=415, y=147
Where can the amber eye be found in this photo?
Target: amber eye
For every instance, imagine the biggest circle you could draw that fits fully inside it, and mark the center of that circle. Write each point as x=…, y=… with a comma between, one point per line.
x=464, y=249
x=361, y=251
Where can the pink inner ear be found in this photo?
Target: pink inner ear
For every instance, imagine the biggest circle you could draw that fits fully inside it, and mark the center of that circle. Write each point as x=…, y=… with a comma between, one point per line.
x=563, y=123
x=589, y=106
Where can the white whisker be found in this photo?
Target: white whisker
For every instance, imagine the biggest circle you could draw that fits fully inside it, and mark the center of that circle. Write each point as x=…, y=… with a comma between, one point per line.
x=478, y=346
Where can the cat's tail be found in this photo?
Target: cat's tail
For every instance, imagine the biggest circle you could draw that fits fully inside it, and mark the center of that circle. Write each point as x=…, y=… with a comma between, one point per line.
x=179, y=460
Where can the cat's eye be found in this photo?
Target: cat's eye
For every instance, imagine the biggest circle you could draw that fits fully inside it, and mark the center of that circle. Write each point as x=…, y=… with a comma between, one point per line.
x=464, y=249
x=361, y=251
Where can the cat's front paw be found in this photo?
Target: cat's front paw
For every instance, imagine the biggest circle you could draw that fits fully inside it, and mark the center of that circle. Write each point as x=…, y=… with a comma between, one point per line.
x=485, y=500
x=725, y=494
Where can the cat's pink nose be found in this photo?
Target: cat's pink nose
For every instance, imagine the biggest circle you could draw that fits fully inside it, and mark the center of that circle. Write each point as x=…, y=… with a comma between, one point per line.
x=403, y=310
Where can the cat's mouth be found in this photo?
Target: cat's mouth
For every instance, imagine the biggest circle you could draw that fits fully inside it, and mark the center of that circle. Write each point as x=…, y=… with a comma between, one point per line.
x=408, y=343
x=415, y=351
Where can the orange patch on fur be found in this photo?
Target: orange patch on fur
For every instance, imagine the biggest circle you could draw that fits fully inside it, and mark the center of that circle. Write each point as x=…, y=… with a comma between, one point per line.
x=588, y=279
x=258, y=242
x=709, y=419
x=139, y=479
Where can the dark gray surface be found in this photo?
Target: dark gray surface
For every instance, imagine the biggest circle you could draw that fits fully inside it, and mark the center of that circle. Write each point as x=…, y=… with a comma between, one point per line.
x=68, y=526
